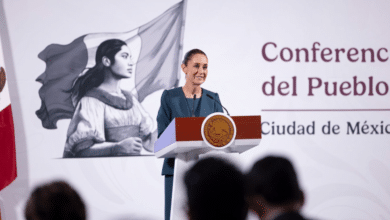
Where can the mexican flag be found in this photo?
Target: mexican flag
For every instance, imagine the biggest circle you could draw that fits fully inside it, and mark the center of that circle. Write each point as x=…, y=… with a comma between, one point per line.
x=7, y=134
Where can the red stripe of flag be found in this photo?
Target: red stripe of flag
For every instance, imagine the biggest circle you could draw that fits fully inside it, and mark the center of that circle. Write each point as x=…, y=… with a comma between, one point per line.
x=7, y=148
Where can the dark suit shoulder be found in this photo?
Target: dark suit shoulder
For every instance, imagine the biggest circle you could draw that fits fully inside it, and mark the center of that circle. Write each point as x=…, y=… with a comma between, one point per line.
x=205, y=91
x=175, y=91
x=179, y=91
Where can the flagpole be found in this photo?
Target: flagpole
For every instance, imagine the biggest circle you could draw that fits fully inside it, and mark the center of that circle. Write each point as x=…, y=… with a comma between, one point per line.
x=181, y=41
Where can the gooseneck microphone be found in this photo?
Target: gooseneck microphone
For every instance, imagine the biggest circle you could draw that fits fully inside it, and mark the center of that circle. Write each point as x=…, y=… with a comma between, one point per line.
x=193, y=106
x=208, y=95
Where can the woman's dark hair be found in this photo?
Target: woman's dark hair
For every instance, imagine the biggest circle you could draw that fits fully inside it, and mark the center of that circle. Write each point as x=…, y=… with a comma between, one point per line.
x=56, y=200
x=191, y=53
x=95, y=76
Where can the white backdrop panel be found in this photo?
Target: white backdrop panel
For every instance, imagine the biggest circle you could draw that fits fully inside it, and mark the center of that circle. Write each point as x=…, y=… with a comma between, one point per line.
x=344, y=175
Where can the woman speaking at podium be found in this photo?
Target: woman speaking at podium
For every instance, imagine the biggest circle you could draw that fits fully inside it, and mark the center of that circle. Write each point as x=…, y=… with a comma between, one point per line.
x=188, y=101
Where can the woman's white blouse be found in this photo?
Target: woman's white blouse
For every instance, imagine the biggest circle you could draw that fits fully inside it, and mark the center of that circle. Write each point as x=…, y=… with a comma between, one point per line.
x=93, y=119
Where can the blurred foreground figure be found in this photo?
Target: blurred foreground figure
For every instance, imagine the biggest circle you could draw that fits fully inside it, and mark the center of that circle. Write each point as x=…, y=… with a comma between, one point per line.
x=56, y=200
x=215, y=190
x=273, y=190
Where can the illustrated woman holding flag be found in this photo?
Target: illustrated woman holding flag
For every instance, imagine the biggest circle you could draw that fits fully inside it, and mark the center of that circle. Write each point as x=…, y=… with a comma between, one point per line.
x=108, y=121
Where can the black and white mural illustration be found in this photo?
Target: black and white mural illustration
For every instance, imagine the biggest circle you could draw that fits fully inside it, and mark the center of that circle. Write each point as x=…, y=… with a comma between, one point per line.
x=99, y=81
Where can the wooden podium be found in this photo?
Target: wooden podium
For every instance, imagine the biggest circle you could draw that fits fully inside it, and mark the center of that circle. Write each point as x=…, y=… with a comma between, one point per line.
x=187, y=139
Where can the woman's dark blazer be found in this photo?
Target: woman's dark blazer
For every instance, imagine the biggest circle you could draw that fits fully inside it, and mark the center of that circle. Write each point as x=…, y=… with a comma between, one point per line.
x=174, y=104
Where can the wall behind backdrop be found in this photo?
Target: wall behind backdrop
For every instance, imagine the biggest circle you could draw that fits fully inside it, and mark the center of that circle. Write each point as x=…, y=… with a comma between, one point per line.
x=317, y=72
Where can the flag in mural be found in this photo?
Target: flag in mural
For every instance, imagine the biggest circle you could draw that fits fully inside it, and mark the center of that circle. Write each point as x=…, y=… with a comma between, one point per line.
x=7, y=134
x=155, y=48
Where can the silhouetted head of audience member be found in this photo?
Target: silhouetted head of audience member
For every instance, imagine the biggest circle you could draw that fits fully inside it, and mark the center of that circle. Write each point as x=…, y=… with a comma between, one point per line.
x=215, y=190
x=273, y=189
x=56, y=200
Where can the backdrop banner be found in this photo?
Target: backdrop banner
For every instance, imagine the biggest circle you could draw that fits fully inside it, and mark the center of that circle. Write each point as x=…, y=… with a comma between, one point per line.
x=316, y=71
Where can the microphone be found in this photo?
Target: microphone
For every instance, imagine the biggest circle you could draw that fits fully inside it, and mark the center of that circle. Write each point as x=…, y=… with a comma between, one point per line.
x=208, y=95
x=193, y=105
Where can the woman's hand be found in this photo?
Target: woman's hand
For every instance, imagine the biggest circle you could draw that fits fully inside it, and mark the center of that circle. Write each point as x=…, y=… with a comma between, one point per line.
x=128, y=146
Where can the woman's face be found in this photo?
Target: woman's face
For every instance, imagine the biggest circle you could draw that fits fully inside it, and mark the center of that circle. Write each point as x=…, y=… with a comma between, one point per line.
x=196, y=69
x=123, y=66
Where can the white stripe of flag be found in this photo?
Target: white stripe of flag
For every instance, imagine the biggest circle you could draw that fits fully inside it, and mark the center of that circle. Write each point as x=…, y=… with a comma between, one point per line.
x=4, y=94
